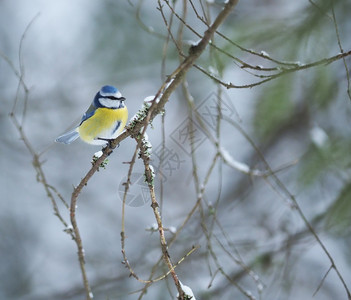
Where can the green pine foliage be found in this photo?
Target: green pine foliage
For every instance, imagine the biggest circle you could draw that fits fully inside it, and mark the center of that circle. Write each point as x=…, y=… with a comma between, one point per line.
x=338, y=220
x=274, y=108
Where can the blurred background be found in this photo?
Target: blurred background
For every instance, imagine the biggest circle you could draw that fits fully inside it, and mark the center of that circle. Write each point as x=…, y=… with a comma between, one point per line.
x=252, y=241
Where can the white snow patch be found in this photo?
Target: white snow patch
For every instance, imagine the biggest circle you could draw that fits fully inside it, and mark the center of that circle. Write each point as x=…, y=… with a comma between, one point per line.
x=149, y=98
x=234, y=163
x=264, y=53
x=98, y=154
x=318, y=136
x=187, y=290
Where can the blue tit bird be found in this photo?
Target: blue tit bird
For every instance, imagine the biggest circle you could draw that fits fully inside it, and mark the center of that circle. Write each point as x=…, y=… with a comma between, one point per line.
x=103, y=121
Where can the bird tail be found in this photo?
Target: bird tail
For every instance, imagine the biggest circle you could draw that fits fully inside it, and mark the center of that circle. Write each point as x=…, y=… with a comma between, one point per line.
x=68, y=137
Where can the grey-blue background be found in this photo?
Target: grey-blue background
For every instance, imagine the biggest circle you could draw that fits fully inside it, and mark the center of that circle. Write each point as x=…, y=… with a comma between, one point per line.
x=72, y=49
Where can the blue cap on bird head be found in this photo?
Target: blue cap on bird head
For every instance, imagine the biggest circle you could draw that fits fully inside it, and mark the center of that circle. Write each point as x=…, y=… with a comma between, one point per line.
x=109, y=90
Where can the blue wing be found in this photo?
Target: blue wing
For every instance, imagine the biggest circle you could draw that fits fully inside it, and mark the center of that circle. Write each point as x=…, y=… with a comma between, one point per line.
x=89, y=113
x=116, y=127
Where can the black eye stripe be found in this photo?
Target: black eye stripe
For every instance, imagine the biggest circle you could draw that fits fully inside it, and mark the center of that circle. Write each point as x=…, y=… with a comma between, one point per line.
x=115, y=98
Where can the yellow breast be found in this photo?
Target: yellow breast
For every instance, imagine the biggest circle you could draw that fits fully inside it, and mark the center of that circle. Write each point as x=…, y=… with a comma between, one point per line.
x=103, y=124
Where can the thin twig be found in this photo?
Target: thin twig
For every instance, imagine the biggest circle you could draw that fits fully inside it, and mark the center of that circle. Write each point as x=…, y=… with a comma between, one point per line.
x=341, y=51
x=322, y=281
